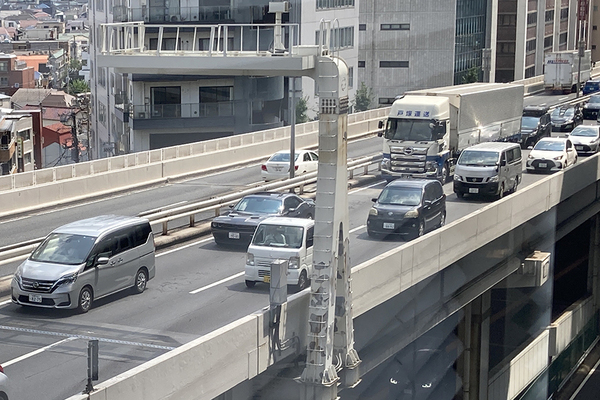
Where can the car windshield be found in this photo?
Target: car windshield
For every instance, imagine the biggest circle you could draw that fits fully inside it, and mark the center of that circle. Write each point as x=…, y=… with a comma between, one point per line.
x=562, y=113
x=594, y=99
x=478, y=158
x=283, y=157
x=278, y=236
x=529, y=122
x=547, y=145
x=400, y=196
x=64, y=248
x=585, y=131
x=409, y=129
x=259, y=205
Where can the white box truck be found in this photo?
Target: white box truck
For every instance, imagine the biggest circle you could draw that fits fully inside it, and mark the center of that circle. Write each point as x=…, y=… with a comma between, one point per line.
x=427, y=129
x=561, y=70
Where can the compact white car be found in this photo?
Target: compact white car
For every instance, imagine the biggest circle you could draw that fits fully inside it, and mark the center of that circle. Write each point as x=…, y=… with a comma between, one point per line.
x=585, y=138
x=278, y=166
x=3, y=385
x=551, y=154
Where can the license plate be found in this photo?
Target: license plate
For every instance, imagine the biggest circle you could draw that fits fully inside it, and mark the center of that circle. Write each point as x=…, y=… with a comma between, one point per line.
x=542, y=165
x=388, y=225
x=579, y=147
x=35, y=298
x=234, y=235
x=267, y=279
x=473, y=190
x=278, y=168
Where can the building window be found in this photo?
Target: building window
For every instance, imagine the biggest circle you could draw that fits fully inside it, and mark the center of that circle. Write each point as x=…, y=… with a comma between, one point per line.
x=548, y=42
x=507, y=20
x=166, y=101
x=532, y=18
x=100, y=5
x=595, y=27
x=549, y=15
x=102, y=113
x=324, y=4
x=393, y=64
x=25, y=135
x=593, y=47
x=362, y=27
x=3, y=66
x=506, y=48
x=386, y=100
x=102, y=76
x=562, y=38
x=27, y=158
x=564, y=13
x=395, y=27
x=530, y=46
x=530, y=72
x=351, y=77
x=341, y=38
x=216, y=101
x=3, y=81
x=361, y=64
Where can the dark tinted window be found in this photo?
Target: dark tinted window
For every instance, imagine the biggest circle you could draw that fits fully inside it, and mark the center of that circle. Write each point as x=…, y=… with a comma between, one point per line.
x=310, y=237
x=291, y=202
x=141, y=233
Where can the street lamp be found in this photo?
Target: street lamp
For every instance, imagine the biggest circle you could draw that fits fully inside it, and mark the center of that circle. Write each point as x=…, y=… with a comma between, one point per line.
x=69, y=119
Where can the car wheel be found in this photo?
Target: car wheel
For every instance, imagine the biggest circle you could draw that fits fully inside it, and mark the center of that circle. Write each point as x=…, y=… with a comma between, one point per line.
x=141, y=280
x=250, y=284
x=501, y=191
x=302, y=281
x=516, y=185
x=442, y=219
x=85, y=300
x=445, y=174
x=420, y=229
x=3, y=396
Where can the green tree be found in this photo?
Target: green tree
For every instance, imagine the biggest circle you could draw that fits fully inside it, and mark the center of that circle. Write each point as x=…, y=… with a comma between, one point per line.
x=471, y=76
x=363, y=98
x=301, y=108
x=74, y=65
x=78, y=86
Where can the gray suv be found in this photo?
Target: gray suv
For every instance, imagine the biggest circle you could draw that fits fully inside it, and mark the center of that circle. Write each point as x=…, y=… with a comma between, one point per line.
x=85, y=260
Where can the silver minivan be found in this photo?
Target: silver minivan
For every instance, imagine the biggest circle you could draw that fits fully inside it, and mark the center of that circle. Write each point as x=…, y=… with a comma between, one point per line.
x=86, y=260
x=492, y=169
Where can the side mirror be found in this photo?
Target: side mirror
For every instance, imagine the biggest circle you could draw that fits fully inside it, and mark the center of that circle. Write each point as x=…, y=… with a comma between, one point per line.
x=380, y=133
x=380, y=125
x=231, y=205
x=374, y=199
x=102, y=261
x=502, y=163
x=291, y=210
x=426, y=203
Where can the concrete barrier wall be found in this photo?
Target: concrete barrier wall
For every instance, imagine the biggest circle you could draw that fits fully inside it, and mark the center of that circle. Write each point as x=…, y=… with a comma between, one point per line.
x=52, y=186
x=373, y=282
x=522, y=370
x=569, y=325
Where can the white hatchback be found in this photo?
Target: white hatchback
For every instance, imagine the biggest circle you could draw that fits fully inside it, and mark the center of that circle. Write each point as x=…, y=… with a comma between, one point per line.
x=586, y=139
x=3, y=385
x=278, y=166
x=551, y=154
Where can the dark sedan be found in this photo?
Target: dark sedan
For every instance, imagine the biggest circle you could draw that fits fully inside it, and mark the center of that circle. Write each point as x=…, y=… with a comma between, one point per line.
x=237, y=225
x=590, y=109
x=407, y=208
x=566, y=118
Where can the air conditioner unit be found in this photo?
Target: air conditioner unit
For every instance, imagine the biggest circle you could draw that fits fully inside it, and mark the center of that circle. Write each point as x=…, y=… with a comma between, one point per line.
x=17, y=85
x=533, y=272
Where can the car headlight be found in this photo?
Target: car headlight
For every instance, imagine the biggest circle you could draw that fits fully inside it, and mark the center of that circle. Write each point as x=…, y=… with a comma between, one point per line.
x=249, y=259
x=67, y=279
x=431, y=166
x=558, y=157
x=457, y=178
x=412, y=214
x=294, y=263
x=373, y=211
x=530, y=157
x=18, y=277
x=493, y=178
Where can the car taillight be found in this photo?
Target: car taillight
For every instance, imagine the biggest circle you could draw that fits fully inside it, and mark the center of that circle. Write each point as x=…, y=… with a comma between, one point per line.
x=295, y=168
x=264, y=167
x=1, y=369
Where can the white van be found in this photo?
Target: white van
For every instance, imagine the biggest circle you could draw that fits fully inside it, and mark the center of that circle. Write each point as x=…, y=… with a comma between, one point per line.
x=491, y=169
x=278, y=238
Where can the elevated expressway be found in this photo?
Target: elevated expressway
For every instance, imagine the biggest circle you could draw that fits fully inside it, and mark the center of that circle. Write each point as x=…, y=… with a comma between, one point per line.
x=463, y=261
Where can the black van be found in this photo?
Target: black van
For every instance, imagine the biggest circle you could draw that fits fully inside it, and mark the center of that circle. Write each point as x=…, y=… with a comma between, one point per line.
x=535, y=124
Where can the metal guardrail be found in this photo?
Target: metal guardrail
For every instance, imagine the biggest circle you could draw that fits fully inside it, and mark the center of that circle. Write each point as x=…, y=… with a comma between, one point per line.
x=19, y=251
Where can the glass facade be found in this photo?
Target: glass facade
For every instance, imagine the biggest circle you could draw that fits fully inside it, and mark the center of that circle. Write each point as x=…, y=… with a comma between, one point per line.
x=470, y=40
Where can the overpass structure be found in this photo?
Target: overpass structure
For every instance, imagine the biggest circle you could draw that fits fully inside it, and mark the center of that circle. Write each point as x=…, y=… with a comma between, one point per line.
x=450, y=273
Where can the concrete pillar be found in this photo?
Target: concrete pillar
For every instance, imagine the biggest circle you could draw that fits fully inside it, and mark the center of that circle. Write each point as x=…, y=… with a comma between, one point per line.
x=594, y=261
x=474, y=332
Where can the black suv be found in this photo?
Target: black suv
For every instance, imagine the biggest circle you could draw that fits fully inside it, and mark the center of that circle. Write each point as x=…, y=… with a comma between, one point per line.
x=535, y=124
x=566, y=118
x=237, y=225
x=591, y=108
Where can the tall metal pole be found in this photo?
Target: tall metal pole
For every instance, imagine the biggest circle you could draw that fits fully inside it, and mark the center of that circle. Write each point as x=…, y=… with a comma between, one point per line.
x=292, y=127
x=580, y=53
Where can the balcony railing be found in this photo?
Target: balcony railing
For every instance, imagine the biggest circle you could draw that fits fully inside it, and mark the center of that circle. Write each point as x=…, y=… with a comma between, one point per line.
x=185, y=110
x=172, y=14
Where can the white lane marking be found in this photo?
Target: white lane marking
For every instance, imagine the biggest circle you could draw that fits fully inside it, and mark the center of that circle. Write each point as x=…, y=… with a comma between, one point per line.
x=35, y=352
x=208, y=239
x=217, y=283
x=5, y=303
x=588, y=376
x=366, y=187
x=563, y=98
x=357, y=228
